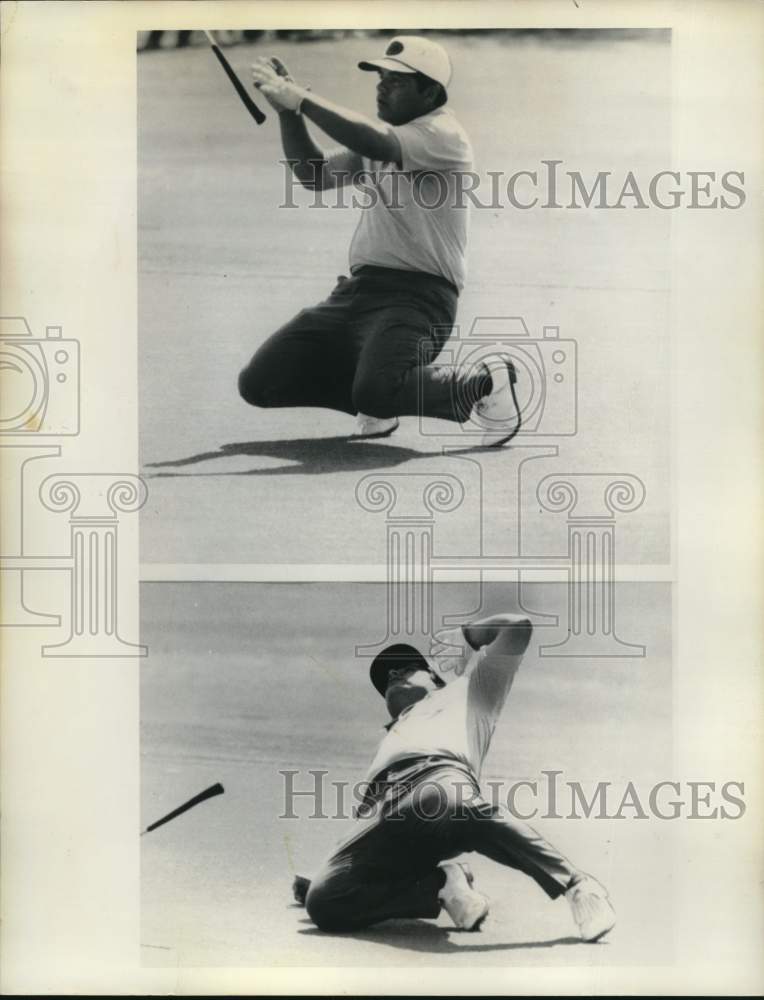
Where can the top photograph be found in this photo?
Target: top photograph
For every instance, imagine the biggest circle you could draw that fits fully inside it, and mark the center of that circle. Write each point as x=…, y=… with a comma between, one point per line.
x=405, y=276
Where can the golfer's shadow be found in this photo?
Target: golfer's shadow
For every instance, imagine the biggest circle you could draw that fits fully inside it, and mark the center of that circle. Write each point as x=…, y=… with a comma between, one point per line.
x=420, y=935
x=309, y=456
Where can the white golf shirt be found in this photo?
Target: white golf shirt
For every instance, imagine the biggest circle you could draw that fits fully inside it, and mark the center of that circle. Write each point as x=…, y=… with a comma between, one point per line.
x=457, y=720
x=415, y=216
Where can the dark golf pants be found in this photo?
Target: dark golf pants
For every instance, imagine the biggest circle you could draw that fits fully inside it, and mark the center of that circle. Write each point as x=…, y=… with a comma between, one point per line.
x=429, y=813
x=368, y=348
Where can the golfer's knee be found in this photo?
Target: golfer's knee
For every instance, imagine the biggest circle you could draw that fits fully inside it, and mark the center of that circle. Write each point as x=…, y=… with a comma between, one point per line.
x=253, y=387
x=325, y=910
x=438, y=805
x=375, y=397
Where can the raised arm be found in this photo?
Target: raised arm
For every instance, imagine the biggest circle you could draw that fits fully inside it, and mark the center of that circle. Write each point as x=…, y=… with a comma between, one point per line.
x=505, y=635
x=363, y=135
x=501, y=638
x=359, y=135
x=314, y=168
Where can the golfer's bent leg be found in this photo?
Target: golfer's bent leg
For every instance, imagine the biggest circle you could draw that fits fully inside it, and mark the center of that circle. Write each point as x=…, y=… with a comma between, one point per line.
x=392, y=381
x=346, y=897
x=401, y=331
x=310, y=361
x=497, y=834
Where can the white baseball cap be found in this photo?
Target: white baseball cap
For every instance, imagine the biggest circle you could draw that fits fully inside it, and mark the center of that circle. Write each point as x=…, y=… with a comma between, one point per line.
x=414, y=54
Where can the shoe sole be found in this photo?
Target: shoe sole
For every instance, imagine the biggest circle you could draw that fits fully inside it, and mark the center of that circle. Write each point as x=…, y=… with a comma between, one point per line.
x=468, y=874
x=471, y=881
x=480, y=920
x=604, y=896
x=600, y=936
x=378, y=434
x=507, y=437
x=501, y=441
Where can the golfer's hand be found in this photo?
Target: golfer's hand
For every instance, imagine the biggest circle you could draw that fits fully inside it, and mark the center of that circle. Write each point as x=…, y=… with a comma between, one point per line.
x=272, y=79
x=281, y=69
x=450, y=650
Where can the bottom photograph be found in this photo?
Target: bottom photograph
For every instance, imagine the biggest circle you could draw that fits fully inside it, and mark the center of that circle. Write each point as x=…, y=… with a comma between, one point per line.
x=343, y=774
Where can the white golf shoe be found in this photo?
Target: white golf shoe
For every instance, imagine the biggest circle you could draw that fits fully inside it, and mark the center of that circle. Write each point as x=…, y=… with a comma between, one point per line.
x=374, y=427
x=466, y=907
x=591, y=908
x=498, y=413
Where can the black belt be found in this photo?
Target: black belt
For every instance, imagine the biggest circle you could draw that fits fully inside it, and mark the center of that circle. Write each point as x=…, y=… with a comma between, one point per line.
x=410, y=770
x=374, y=270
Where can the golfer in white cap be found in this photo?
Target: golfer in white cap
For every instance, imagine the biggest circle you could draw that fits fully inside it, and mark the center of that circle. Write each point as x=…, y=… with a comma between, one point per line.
x=368, y=349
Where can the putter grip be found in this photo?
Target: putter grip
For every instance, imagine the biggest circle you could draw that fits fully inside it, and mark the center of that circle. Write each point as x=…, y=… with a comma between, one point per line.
x=249, y=104
x=208, y=793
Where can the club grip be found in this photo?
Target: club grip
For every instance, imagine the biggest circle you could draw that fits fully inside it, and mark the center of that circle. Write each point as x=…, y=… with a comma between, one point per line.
x=216, y=789
x=247, y=101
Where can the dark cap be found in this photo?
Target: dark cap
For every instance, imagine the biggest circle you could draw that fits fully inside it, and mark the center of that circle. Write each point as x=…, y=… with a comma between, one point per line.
x=396, y=656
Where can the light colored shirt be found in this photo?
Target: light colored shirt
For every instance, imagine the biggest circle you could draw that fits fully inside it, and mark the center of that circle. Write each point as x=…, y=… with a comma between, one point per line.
x=397, y=229
x=457, y=720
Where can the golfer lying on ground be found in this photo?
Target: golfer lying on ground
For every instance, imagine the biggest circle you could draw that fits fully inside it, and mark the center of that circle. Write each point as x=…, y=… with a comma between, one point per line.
x=424, y=806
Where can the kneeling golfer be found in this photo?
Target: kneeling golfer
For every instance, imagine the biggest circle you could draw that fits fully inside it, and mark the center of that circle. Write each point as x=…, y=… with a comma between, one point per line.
x=368, y=349
x=424, y=806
